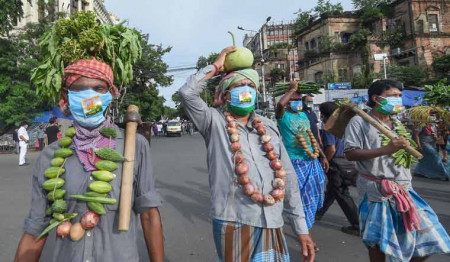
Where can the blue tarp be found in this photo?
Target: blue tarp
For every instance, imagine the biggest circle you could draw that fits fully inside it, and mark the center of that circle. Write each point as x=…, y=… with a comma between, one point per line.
x=45, y=116
x=412, y=98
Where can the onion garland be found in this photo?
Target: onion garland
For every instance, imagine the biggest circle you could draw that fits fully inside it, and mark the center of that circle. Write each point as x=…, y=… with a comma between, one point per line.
x=242, y=169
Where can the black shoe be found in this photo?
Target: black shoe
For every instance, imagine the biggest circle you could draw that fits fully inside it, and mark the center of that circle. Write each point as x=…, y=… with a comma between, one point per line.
x=351, y=230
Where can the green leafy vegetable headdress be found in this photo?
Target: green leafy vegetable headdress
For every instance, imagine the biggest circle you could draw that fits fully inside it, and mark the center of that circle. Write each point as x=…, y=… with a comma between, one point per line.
x=81, y=37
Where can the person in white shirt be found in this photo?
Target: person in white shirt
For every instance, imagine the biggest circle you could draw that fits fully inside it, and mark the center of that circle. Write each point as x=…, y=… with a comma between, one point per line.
x=23, y=143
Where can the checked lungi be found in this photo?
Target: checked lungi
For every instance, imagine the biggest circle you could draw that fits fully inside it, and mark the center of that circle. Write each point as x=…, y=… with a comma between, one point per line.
x=383, y=226
x=236, y=242
x=311, y=179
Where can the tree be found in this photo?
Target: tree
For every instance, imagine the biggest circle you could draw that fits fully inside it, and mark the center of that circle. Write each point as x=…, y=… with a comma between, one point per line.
x=10, y=14
x=149, y=73
x=409, y=75
x=326, y=7
x=303, y=20
x=18, y=55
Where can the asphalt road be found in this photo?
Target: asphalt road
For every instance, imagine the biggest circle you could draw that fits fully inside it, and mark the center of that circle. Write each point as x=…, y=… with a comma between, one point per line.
x=182, y=179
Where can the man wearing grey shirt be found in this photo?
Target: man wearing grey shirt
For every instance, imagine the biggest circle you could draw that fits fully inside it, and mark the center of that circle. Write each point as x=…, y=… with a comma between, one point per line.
x=247, y=222
x=396, y=223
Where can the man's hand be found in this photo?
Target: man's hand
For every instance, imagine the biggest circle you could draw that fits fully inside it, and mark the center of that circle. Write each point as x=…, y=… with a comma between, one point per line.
x=220, y=60
x=308, y=252
x=294, y=85
x=325, y=164
x=396, y=144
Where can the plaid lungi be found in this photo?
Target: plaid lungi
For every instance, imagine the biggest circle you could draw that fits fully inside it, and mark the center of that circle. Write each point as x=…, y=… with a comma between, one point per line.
x=382, y=226
x=311, y=180
x=236, y=242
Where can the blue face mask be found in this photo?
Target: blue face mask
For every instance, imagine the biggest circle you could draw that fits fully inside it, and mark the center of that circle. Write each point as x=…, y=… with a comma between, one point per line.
x=242, y=100
x=296, y=106
x=390, y=105
x=87, y=107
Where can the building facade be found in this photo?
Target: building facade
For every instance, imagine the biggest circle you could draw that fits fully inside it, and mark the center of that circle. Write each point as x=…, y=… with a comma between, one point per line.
x=277, y=49
x=35, y=10
x=412, y=33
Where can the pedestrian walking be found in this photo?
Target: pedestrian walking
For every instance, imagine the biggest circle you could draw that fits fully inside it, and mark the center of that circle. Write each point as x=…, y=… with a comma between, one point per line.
x=191, y=128
x=40, y=137
x=246, y=206
x=303, y=150
x=16, y=141
x=432, y=165
x=396, y=223
x=308, y=104
x=341, y=175
x=24, y=139
x=51, y=132
x=160, y=128
x=89, y=80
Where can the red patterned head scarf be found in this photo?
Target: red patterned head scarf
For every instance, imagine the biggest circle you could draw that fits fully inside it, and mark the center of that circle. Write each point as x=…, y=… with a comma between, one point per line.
x=90, y=68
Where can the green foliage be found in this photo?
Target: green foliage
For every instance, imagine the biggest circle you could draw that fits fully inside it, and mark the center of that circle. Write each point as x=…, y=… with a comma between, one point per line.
x=438, y=94
x=326, y=7
x=442, y=64
x=81, y=37
x=18, y=55
x=149, y=73
x=359, y=38
x=10, y=14
x=409, y=75
x=277, y=46
x=364, y=4
x=303, y=20
x=363, y=81
x=277, y=74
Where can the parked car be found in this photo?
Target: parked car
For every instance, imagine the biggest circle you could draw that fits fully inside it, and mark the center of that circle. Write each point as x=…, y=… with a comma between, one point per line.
x=174, y=128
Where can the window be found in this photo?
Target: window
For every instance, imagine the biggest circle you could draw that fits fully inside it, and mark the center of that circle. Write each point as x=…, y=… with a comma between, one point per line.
x=318, y=78
x=420, y=26
x=433, y=23
x=342, y=74
x=282, y=66
x=307, y=45
x=313, y=44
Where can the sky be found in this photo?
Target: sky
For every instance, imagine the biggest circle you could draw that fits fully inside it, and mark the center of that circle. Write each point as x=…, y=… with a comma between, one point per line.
x=195, y=28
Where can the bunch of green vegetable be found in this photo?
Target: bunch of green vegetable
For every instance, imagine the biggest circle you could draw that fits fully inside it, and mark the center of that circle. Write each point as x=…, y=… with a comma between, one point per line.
x=438, y=94
x=402, y=157
x=303, y=88
x=82, y=37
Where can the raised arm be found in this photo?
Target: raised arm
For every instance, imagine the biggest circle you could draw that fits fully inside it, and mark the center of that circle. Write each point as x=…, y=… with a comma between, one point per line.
x=197, y=109
x=285, y=99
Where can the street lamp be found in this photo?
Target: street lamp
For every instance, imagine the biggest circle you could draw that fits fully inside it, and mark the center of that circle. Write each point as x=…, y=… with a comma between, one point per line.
x=261, y=53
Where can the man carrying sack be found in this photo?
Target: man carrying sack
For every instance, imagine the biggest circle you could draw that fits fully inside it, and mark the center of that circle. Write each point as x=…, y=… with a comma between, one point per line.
x=396, y=223
x=95, y=237
x=250, y=172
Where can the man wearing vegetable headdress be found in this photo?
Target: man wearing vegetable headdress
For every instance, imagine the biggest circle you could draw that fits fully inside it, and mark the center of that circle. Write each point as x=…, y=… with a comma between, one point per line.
x=88, y=89
x=303, y=150
x=249, y=170
x=396, y=223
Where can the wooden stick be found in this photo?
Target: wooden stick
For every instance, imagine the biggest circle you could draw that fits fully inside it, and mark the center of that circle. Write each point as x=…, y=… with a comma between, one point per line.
x=384, y=130
x=126, y=190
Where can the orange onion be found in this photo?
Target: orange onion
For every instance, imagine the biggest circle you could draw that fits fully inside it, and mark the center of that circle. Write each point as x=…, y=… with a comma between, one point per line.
x=232, y=124
x=268, y=147
x=242, y=169
x=229, y=118
x=232, y=130
x=248, y=189
x=276, y=164
x=234, y=137
x=278, y=183
x=89, y=220
x=239, y=157
x=235, y=146
x=257, y=197
x=243, y=180
x=63, y=229
x=269, y=200
x=271, y=155
x=261, y=131
x=265, y=139
x=277, y=194
x=280, y=174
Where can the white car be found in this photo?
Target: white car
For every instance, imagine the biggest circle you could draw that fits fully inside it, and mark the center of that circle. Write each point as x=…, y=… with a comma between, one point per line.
x=173, y=127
